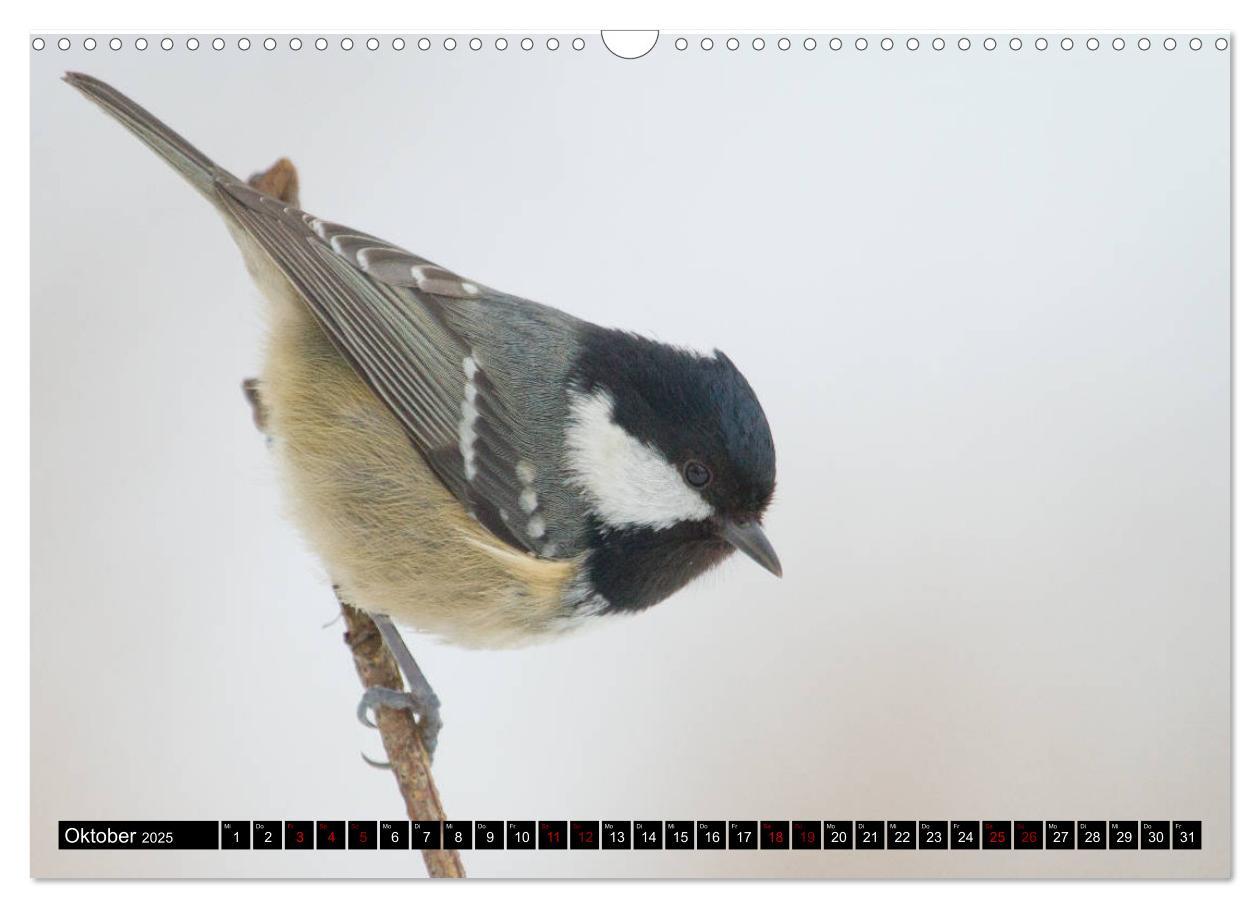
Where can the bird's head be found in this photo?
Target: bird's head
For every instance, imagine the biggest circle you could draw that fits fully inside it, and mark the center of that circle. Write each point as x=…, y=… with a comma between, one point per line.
x=660, y=437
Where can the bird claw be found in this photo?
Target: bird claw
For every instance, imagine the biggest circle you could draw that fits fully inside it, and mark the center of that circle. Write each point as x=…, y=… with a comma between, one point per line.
x=425, y=710
x=376, y=697
x=375, y=764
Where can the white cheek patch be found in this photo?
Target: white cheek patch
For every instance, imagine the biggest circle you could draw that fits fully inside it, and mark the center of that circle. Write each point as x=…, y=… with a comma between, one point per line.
x=628, y=483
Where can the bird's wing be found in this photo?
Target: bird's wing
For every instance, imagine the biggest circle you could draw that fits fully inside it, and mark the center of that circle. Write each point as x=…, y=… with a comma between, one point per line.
x=391, y=314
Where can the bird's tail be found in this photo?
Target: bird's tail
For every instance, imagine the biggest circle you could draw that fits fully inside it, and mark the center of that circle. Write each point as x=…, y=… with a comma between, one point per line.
x=177, y=151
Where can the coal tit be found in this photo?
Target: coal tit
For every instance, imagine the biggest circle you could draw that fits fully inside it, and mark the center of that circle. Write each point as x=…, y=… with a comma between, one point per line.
x=476, y=465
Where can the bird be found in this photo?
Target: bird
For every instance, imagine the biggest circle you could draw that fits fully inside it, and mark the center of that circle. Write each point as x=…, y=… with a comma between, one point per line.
x=471, y=464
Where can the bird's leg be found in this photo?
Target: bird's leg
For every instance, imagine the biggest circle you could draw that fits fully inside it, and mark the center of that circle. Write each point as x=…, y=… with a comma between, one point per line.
x=420, y=700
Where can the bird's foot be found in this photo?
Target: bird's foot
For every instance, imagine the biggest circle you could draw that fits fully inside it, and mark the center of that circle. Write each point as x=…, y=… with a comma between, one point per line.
x=424, y=707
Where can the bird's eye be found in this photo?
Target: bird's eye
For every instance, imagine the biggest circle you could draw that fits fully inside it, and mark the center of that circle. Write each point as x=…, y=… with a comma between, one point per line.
x=696, y=474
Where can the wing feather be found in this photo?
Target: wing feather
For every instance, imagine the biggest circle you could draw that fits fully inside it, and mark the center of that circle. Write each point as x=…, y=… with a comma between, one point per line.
x=386, y=311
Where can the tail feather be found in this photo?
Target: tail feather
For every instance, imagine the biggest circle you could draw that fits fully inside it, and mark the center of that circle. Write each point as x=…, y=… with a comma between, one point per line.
x=177, y=151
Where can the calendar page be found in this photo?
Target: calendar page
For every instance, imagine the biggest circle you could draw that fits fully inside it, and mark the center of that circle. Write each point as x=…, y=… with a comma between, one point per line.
x=532, y=454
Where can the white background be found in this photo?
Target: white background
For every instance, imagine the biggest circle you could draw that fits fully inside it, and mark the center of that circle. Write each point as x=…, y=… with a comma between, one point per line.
x=526, y=289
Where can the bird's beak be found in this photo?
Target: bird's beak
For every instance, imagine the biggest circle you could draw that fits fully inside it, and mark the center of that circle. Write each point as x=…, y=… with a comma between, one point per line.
x=749, y=538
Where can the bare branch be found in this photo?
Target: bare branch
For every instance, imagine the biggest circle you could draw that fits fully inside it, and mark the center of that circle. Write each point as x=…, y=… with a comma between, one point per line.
x=400, y=734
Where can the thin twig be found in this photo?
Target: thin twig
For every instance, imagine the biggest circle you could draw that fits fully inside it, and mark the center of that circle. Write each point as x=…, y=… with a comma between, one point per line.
x=400, y=734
